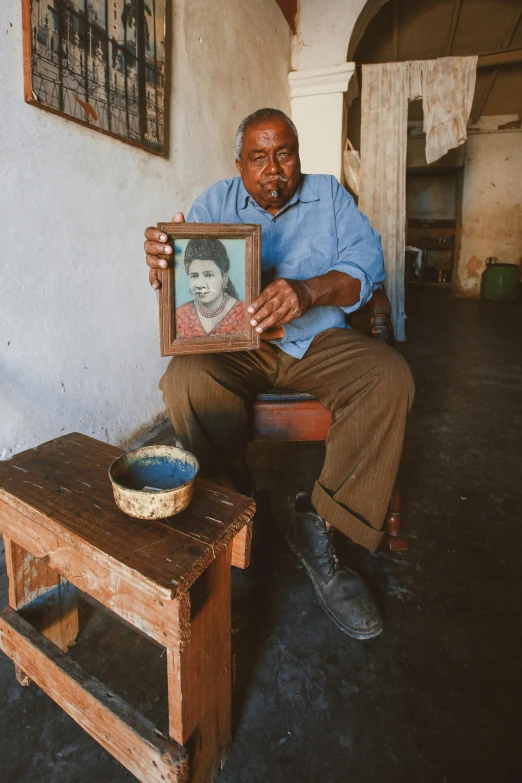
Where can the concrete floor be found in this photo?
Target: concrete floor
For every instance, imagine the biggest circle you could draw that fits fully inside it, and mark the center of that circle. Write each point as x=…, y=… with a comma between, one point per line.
x=438, y=696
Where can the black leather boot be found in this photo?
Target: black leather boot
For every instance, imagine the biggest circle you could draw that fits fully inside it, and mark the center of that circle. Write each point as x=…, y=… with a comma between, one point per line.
x=342, y=592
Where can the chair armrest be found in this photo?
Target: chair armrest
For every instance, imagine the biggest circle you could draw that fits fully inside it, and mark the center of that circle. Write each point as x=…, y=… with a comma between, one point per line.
x=374, y=319
x=379, y=304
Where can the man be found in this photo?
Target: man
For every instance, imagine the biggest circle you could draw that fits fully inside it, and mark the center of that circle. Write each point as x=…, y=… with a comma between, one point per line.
x=325, y=261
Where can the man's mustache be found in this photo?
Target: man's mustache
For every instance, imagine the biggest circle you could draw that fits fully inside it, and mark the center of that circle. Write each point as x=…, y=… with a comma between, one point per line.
x=274, y=178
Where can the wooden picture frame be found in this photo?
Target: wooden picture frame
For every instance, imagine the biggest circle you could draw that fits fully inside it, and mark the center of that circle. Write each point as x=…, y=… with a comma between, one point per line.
x=243, y=243
x=100, y=64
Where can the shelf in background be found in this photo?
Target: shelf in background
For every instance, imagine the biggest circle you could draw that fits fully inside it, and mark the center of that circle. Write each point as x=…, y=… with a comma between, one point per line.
x=436, y=246
x=430, y=222
x=430, y=283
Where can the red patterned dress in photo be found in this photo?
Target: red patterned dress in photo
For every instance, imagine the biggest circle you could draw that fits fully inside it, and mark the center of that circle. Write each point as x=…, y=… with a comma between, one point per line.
x=189, y=325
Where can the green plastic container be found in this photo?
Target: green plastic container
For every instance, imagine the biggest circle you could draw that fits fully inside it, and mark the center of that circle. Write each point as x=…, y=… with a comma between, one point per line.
x=500, y=282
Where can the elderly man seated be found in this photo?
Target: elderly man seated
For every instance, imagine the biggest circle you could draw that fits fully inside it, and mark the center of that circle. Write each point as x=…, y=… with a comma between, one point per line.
x=324, y=261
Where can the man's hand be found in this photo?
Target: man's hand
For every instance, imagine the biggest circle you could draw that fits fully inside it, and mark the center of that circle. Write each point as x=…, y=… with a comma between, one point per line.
x=158, y=253
x=283, y=300
x=280, y=302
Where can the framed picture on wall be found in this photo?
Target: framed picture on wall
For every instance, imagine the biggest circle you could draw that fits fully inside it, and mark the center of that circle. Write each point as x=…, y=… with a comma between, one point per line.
x=100, y=63
x=205, y=293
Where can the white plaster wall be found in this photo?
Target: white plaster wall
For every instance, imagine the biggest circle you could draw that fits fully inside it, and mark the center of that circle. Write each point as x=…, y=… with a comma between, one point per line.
x=78, y=321
x=325, y=27
x=491, y=206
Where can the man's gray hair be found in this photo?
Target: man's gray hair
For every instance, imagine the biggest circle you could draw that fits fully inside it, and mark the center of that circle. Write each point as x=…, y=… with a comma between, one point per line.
x=259, y=116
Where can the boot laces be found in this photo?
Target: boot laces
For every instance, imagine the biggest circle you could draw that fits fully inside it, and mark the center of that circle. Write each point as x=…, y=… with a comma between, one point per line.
x=327, y=558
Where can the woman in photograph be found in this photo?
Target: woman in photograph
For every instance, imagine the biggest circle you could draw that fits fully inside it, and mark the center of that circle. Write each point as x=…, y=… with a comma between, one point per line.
x=216, y=308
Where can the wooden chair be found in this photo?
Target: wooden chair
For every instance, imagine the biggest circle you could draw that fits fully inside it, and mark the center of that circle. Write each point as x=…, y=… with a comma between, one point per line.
x=293, y=416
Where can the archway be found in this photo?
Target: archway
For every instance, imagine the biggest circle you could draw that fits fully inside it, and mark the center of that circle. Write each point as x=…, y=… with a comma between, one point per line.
x=370, y=10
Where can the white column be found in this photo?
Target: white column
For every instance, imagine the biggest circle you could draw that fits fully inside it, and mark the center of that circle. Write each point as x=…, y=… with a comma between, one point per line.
x=317, y=110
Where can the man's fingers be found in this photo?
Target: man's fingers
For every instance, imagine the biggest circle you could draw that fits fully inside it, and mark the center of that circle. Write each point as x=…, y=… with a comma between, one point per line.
x=155, y=235
x=278, y=289
x=157, y=248
x=267, y=309
x=153, y=279
x=158, y=252
x=262, y=299
x=277, y=318
x=157, y=262
x=284, y=300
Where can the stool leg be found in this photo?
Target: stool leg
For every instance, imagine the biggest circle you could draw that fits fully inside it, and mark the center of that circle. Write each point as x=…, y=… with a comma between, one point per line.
x=42, y=596
x=393, y=540
x=199, y=676
x=242, y=547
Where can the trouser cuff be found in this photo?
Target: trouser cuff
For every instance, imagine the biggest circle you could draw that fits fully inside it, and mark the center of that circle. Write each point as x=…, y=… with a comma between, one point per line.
x=342, y=519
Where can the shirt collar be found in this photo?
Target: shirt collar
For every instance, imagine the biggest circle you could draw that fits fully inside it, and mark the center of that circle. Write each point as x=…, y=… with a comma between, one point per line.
x=242, y=195
x=304, y=192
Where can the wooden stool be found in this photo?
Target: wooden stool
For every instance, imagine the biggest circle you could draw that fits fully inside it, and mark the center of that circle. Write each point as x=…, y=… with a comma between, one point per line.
x=169, y=578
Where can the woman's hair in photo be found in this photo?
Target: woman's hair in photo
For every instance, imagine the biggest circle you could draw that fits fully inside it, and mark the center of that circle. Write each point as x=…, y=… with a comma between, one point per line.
x=210, y=250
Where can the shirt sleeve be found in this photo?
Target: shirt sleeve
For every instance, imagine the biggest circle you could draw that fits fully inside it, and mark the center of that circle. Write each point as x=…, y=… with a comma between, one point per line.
x=314, y=321
x=358, y=247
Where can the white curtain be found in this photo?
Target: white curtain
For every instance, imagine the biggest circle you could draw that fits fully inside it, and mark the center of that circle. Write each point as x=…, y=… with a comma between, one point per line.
x=447, y=86
x=384, y=136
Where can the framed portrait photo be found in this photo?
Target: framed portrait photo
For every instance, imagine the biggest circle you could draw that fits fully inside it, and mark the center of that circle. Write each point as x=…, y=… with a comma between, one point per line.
x=205, y=292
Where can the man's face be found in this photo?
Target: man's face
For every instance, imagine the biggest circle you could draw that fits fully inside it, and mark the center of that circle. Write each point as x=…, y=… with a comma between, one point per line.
x=270, y=167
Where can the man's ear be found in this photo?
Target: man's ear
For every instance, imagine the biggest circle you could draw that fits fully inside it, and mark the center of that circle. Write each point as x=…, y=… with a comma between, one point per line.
x=239, y=166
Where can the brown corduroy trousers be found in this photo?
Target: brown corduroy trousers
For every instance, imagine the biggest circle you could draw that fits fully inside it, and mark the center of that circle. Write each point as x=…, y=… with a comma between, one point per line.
x=367, y=387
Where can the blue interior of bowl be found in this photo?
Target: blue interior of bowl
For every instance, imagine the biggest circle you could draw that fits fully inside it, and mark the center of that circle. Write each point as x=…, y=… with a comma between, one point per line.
x=153, y=472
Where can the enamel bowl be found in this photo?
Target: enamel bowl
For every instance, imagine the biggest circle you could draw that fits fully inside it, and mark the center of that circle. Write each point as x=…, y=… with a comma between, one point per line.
x=154, y=482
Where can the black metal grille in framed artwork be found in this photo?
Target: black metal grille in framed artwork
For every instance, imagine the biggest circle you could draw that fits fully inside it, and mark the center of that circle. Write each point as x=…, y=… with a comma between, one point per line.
x=100, y=62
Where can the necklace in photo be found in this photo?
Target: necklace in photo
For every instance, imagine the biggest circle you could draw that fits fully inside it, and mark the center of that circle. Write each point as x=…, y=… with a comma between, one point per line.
x=212, y=313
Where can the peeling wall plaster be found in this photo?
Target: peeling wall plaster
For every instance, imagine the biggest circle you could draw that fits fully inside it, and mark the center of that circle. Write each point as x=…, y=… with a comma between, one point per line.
x=78, y=321
x=491, y=206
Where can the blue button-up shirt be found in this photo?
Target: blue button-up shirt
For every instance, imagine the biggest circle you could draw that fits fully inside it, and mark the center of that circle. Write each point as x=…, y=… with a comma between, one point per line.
x=318, y=230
